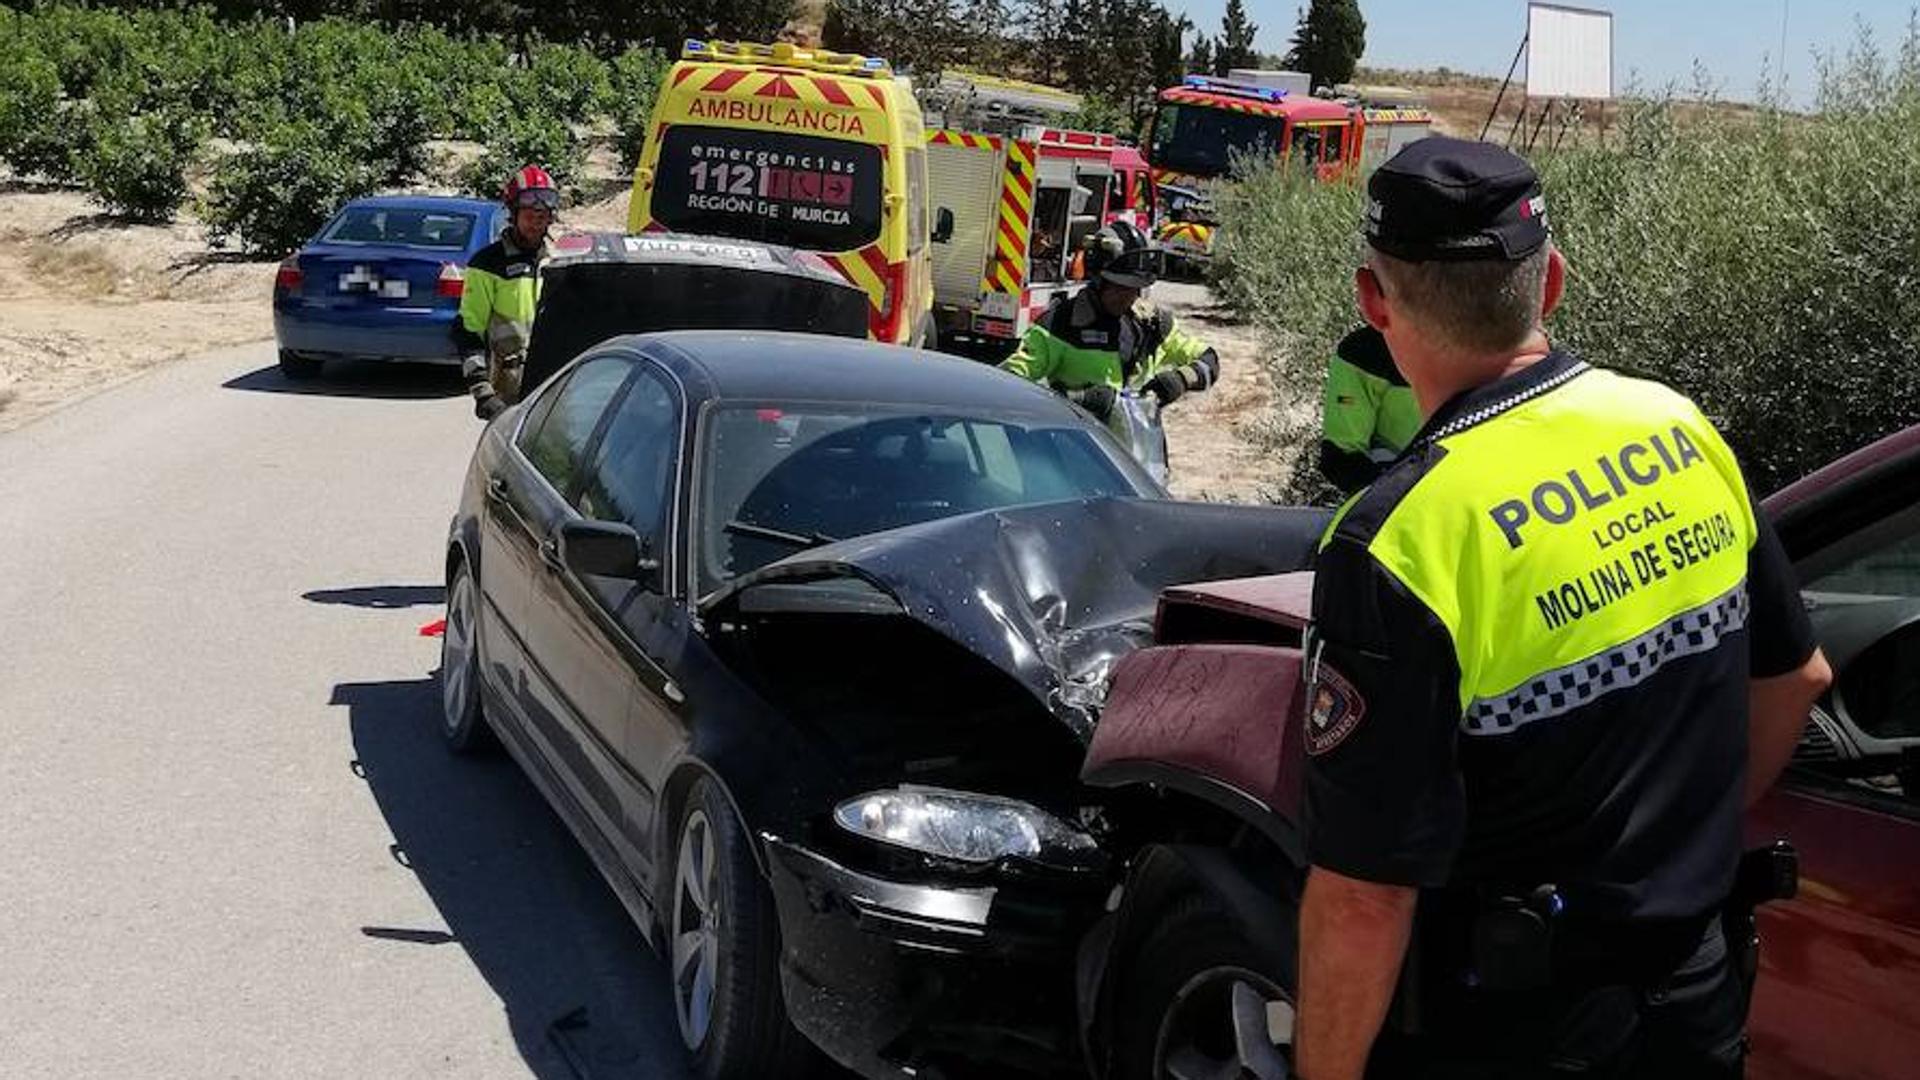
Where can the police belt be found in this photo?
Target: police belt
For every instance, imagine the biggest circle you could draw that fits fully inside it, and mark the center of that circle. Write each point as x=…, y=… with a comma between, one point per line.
x=1505, y=939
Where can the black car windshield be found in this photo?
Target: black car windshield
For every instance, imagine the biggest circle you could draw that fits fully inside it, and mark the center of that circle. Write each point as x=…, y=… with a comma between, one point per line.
x=441, y=230
x=803, y=191
x=780, y=478
x=1203, y=141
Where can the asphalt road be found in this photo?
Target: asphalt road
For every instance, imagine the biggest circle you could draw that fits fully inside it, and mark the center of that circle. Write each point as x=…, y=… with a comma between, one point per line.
x=230, y=842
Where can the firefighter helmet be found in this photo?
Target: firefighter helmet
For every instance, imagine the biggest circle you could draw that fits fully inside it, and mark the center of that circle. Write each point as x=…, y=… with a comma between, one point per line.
x=1121, y=254
x=531, y=187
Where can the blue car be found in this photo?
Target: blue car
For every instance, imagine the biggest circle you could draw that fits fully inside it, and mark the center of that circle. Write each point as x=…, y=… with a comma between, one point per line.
x=381, y=280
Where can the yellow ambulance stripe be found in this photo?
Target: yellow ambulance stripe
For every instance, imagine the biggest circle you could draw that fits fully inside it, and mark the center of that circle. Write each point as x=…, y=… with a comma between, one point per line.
x=857, y=271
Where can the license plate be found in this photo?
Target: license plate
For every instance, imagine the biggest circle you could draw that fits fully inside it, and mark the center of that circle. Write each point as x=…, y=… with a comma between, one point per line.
x=997, y=305
x=363, y=279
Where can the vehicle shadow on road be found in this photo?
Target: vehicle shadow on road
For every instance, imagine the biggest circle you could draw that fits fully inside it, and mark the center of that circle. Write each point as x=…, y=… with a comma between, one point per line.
x=585, y=997
x=358, y=378
x=380, y=596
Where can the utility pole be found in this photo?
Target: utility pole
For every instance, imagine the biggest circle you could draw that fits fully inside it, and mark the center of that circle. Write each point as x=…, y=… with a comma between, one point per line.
x=1785, y=6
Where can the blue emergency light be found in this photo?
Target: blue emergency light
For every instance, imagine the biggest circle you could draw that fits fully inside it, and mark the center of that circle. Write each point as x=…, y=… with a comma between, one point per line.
x=1246, y=90
x=696, y=46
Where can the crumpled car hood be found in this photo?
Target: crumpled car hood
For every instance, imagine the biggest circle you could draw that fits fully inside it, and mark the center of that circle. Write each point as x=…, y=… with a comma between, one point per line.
x=1054, y=594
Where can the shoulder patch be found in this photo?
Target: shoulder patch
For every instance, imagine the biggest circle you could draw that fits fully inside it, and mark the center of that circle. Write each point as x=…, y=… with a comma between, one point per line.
x=1334, y=708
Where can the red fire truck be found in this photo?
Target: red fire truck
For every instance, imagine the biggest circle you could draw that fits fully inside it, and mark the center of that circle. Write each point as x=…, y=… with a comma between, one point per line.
x=1205, y=125
x=1024, y=193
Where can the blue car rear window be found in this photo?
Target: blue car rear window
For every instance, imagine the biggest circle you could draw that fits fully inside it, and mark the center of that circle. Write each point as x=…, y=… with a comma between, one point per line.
x=439, y=229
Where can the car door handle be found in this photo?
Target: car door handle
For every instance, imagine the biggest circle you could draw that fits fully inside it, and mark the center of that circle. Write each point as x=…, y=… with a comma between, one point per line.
x=496, y=489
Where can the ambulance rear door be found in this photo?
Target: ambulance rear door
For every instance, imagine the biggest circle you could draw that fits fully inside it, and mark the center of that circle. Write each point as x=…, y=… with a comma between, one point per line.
x=963, y=175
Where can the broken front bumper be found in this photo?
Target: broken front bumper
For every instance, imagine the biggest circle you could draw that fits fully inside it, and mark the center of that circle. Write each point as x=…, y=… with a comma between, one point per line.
x=897, y=979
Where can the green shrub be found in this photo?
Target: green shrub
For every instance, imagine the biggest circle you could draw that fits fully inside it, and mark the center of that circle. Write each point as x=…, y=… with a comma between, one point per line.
x=564, y=81
x=81, y=43
x=1099, y=114
x=136, y=165
x=403, y=110
x=1283, y=257
x=35, y=136
x=637, y=74
x=526, y=140
x=1762, y=262
x=273, y=197
x=473, y=77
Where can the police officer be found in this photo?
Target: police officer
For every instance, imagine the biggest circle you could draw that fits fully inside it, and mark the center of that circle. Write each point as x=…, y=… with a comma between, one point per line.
x=1556, y=651
x=1368, y=415
x=501, y=291
x=1105, y=338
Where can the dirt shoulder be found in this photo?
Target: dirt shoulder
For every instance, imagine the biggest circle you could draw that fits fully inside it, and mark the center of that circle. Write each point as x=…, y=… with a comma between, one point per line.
x=87, y=301
x=1214, y=442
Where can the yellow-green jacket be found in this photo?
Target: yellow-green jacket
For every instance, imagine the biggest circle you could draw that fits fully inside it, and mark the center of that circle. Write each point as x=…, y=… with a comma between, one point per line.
x=1369, y=414
x=1076, y=344
x=497, y=304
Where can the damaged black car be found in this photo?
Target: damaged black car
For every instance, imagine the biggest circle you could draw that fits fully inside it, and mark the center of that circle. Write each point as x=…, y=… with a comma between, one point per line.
x=805, y=639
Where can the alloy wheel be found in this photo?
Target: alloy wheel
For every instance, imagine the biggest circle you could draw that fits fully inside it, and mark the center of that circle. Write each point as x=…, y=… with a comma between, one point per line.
x=457, y=655
x=695, y=932
x=1226, y=1024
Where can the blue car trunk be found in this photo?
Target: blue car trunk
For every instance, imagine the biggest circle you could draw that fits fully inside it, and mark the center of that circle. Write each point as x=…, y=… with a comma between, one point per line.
x=368, y=276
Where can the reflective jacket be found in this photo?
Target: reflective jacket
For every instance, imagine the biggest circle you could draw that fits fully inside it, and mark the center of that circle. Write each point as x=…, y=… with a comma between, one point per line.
x=1076, y=344
x=497, y=304
x=1369, y=414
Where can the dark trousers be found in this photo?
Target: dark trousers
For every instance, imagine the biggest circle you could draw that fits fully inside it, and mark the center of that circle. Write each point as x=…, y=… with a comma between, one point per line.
x=1688, y=1026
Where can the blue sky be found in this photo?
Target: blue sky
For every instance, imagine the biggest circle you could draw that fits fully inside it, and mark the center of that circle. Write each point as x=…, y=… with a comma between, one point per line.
x=1655, y=41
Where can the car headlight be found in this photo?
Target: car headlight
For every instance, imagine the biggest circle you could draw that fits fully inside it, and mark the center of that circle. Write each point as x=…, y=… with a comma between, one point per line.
x=964, y=826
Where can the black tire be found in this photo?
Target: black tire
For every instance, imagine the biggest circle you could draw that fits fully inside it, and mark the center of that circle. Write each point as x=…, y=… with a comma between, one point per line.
x=1176, y=991
x=301, y=368
x=748, y=1035
x=462, y=720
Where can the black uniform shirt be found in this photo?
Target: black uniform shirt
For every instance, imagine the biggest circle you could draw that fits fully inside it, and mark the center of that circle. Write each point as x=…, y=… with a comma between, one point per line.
x=1531, y=650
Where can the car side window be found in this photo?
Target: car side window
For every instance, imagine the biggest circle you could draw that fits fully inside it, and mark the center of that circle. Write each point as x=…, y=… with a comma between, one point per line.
x=1863, y=594
x=557, y=447
x=537, y=412
x=631, y=480
x=916, y=199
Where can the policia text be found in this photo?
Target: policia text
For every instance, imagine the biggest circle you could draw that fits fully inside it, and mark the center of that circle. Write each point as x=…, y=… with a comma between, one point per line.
x=1638, y=464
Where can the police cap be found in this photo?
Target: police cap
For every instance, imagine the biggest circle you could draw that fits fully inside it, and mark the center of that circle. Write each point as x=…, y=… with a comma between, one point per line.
x=1455, y=200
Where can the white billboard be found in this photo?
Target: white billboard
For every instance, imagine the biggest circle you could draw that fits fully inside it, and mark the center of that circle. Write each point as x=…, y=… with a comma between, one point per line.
x=1569, y=52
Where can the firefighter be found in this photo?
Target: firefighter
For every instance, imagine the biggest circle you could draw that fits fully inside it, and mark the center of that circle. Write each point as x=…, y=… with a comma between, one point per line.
x=1368, y=415
x=1556, y=650
x=501, y=291
x=1105, y=338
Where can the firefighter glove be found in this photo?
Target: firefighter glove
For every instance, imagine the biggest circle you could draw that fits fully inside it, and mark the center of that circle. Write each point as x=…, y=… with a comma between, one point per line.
x=1167, y=386
x=1098, y=400
x=487, y=405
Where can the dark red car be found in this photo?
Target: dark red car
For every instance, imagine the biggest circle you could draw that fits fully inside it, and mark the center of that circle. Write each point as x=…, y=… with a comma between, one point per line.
x=1191, y=975
x=1839, y=993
